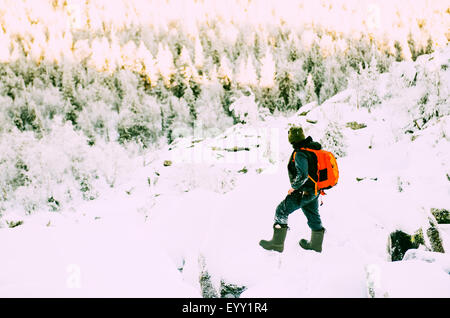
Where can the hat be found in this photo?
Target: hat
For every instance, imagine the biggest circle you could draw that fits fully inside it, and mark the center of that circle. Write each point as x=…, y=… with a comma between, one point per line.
x=296, y=134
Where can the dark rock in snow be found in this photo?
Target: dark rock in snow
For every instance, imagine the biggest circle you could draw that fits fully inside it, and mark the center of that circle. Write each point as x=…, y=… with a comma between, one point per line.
x=208, y=290
x=442, y=216
x=233, y=149
x=400, y=242
x=435, y=237
x=206, y=285
x=13, y=224
x=354, y=125
x=243, y=170
x=225, y=290
x=230, y=290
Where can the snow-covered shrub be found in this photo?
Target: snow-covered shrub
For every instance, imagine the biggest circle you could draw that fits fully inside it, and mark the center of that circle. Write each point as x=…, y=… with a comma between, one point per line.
x=360, y=53
x=267, y=98
x=429, y=91
x=135, y=128
x=419, y=49
x=245, y=108
x=333, y=140
x=190, y=97
x=141, y=123
x=211, y=115
x=24, y=115
x=97, y=121
x=435, y=97
x=178, y=119
x=5, y=122
x=365, y=85
x=57, y=169
x=335, y=80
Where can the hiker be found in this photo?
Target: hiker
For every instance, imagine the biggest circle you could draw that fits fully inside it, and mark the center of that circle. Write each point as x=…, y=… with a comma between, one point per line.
x=303, y=194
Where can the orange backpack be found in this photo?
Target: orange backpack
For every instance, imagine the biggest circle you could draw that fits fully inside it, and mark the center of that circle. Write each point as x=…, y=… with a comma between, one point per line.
x=327, y=170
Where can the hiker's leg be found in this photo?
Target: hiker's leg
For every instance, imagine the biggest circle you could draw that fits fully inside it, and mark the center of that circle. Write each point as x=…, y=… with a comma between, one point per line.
x=311, y=211
x=290, y=204
x=310, y=207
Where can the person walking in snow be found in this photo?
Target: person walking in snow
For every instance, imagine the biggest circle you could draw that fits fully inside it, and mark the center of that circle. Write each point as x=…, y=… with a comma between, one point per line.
x=301, y=196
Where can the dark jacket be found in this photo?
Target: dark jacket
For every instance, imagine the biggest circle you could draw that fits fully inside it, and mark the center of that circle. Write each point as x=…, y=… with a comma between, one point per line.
x=305, y=162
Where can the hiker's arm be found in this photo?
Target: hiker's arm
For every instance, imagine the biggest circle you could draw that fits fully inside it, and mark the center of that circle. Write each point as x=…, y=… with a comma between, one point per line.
x=301, y=164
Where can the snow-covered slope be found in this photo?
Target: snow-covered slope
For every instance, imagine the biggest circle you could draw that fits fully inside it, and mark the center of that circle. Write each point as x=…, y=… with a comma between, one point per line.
x=202, y=204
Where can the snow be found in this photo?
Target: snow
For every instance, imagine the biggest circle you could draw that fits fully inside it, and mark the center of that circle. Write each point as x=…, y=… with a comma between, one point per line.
x=108, y=259
x=413, y=279
x=441, y=259
x=148, y=236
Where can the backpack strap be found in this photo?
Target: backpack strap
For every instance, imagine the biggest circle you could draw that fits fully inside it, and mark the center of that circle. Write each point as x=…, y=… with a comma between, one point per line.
x=315, y=184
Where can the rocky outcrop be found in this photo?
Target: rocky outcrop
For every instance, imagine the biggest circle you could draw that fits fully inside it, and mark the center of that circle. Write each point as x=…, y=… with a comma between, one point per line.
x=428, y=236
x=399, y=242
x=442, y=216
x=228, y=290
x=208, y=288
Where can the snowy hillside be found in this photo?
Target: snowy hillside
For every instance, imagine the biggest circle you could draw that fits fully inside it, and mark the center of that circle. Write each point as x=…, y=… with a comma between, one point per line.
x=187, y=222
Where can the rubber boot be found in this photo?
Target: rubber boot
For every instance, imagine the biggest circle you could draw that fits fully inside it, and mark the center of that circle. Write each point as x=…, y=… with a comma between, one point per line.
x=277, y=242
x=316, y=241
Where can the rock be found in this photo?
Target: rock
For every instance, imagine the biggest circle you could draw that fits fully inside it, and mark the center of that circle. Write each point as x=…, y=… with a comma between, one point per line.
x=13, y=224
x=235, y=149
x=435, y=237
x=211, y=288
x=400, y=242
x=205, y=280
x=230, y=290
x=53, y=204
x=442, y=216
x=243, y=170
x=208, y=290
x=354, y=125
x=363, y=178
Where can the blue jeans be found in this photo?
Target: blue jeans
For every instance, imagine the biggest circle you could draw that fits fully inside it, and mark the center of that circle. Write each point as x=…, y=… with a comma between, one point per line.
x=309, y=204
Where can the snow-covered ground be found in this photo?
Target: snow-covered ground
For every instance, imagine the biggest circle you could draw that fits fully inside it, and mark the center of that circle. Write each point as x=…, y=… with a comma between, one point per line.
x=155, y=234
